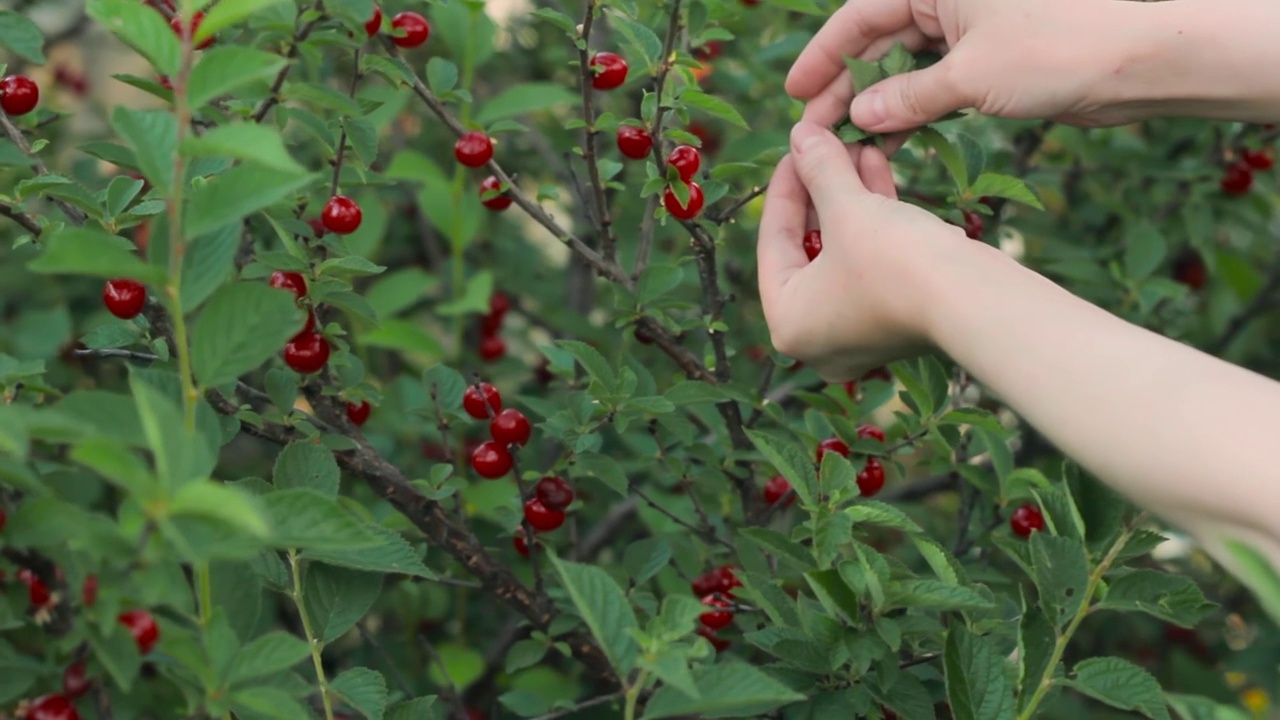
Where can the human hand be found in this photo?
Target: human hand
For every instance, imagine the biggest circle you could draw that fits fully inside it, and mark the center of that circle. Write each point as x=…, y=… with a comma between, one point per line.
x=1011, y=58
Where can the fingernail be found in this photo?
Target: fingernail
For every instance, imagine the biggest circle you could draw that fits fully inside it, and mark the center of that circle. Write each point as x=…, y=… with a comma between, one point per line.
x=869, y=110
x=805, y=135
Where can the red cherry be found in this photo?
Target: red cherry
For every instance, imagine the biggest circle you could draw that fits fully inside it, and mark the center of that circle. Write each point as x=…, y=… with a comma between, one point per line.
x=124, y=298
x=871, y=479
x=684, y=212
x=492, y=348
x=1259, y=159
x=686, y=160
x=317, y=227
x=479, y=400
x=491, y=460
x=3, y=519
x=880, y=373
x=142, y=626
x=52, y=707
x=499, y=304
x=89, y=591
x=717, y=618
x=835, y=445
x=710, y=51
x=1026, y=520
x=554, y=492
x=291, y=281
x=38, y=593
x=309, y=325
x=307, y=352
x=705, y=584
x=498, y=202
x=1236, y=179
x=871, y=431
x=634, y=142
x=776, y=489
x=176, y=25
x=973, y=225
x=341, y=215
x=473, y=149
x=812, y=244
x=520, y=543
x=19, y=95
x=358, y=414
x=541, y=517
x=610, y=70
x=165, y=82
x=1189, y=269
x=851, y=388
x=719, y=644
x=413, y=29
x=375, y=23
x=74, y=681
x=726, y=580
x=750, y=3
x=510, y=427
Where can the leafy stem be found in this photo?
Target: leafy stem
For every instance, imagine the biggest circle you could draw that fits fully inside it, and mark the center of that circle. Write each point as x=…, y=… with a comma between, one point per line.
x=633, y=695
x=177, y=243
x=313, y=643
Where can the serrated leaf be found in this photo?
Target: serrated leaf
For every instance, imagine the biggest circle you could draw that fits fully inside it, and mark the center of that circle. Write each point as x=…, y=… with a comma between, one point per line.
x=640, y=37
x=393, y=555
x=864, y=72
x=22, y=36
x=243, y=190
x=304, y=464
x=1061, y=575
x=603, y=607
x=363, y=689
x=951, y=157
x=267, y=655
x=977, y=682
x=221, y=503
x=713, y=106
x=874, y=512
x=141, y=28
x=1172, y=598
x=787, y=459
x=775, y=543
x=730, y=688
x=304, y=518
x=336, y=599
x=251, y=143
x=154, y=137
x=937, y=596
x=242, y=326
x=1144, y=250
x=524, y=98
x=1005, y=186
x=1120, y=684
x=81, y=251
x=592, y=361
x=226, y=13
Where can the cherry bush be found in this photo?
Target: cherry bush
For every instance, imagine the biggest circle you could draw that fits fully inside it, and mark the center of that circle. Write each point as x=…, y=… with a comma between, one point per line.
x=400, y=363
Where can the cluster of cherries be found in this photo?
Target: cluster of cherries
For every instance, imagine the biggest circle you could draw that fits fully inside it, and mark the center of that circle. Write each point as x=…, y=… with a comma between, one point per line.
x=715, y=588
x=636, y=143
x=492, y=346
x=1238, y=176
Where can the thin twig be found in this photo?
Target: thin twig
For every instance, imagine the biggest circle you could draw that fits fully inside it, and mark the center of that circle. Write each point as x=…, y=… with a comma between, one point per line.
x=342, y=136
x=299, y=35
x=648, y=224
x=26, y=221
x=727, y=214
x=73, y=213
x=115, y=353
x=707, y=533
x=581, y=706
x=604, y=220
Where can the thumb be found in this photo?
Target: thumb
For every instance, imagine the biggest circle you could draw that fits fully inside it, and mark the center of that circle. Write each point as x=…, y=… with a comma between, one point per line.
x=909, y=100
x=824, y=166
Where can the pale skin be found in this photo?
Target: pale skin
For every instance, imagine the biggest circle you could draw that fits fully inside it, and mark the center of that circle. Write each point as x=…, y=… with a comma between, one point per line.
x=1184, y=435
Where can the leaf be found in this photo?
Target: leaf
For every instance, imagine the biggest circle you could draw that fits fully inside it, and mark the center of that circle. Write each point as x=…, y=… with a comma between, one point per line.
x=977, y=684
x=592, y=361
x=223, y=70
x=242, y=326
x=221, y=503
x=950, y=156
x=336, y=599
x=80, y=251
x=207, y=264
x=1258, y=574
x=178, y=459
x=1193, y=707
x=1061, y=574
x=794, y=465
x=258, y=144
x=1144, y=250
x=834, y=593
x=304, y=464
x=874, y=512
x=1172, y=598
x=404, y=335
x=1036, y=639
x=640, y=37
x=141, y=28
x=937, y=595
x=1005, y=186
x=267, y=655
x=117, y=653
x=525, y=653
x=644, y=558
x=442, y=76
x=474, y=299
x=154, y=137
x=231, y=196
x=393, y=555
x=22, y=36
x=730, y=688
x=864, y=72
x=268, y=702
x=1120, y=684
x=422, y=708
x=603, y=607
x=118, y=465
x=226, y=13
x=775, y=543
x=363, y=689
x=307, y=519
x=523, y=99
x=713, y=106
x=908, y=697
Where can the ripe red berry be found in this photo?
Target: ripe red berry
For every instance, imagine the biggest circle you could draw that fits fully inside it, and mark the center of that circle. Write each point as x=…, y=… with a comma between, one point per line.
x=1189, y=269
x=358, y=414
x=719, y=644
x=124, y=298
x=973, y=225
x=307, y=352
x=491, y=460
x=473, y=149
x=176, y=25
x=499, y=304
x=479, y=400
x=521, y=543
x=52, y=707
x=89, y=591
x=776, y=489
x=412, y=28
x=880, y=373
x=1026, y=520
x=1236, y=179
x=3, y=519
x=38, y=593
x=341, y=215
x=812, y=244
x=498, y=202
x=718, y=618
x=1259, y=159
x=492, y=348
x=871, y=431
x=142, y=626
x=317, y=227
x=610, y=70
x=374, y=23
x=710, y=51
x=684, y=212
x=835, y=445
x=554, y=492
x=291, y=281
x=74, y=681
x=541, y=517
x=19, y=95
x=686, y=160
x=750, y=3
x=726, y=580
x=634, y=142
x=510, y=427
x=871, y=479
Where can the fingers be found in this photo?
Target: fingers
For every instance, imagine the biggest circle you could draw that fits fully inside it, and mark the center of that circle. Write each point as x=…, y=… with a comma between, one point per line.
x=910, y=100
x=779, y=252
x=824, y=166
x=876, y=172
x=850, y=31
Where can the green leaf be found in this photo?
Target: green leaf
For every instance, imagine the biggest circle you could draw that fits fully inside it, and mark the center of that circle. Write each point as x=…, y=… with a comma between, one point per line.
x=1120, y=684
x=1061, y=575
x=937, y=595
x=1005, y=186
x=525, y=653
x=305, y=464
x=154, y=137
x=874, y=512
x=523, y=99
x=1144, y=250
x=640, y=37
x=393, y=555
x=474, y=299
x=1193, y=707
x=226, y=13
x=592, y=361
x=363, y=689
x=258, y=144
x=1258, y=574
x=118, y=465
x=730, y=688
x=898, y=60
x=336, y=599
x=80, y=251
x=603, y=607
x=22, y=36
x=178, y=459
x=713, y=106
x=1036, y=640
x=304, y=518
x=405, y=336
x=442, y=75
x=223, y=70
x=228, y=505
x=788, y=460
x=977, y=682
x=423, y=708
x=117, y=653
x=231, y=196
x=644, y=558
x=950, y=156
x=864, y=72
x=1172, y=598
x=658, y=280
x=779, y=545
x=267, y=655
x=831, y=589
x=207, y=264
x=143, y=29
x=242, y=326
x=271, y=702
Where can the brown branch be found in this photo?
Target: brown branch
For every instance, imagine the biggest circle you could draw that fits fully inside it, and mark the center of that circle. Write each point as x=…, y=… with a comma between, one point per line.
x=27, y=222
x=604, y=220
x=727, y=214
x=299, y=36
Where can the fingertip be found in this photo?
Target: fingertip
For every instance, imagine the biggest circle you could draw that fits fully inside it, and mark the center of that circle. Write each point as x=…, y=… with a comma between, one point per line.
x=877, y=172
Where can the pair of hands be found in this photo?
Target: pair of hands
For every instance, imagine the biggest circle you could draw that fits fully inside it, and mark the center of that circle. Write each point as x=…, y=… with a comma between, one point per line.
x=873, y=293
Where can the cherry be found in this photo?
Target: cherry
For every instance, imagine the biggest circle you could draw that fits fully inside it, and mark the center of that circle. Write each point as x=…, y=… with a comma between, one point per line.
x=341, y=215
x=750, y=3
x=973, y=225
x=888, y=714
x=309, y=325
x=52, y=707
x=498, y=202
x=1259, y=159
x=19, y=95
x=541, y=517
x=610, y=70
x=1236, y=179
x=74, y=681
x=521, y=543
x=871, y=431
x=1026, y=520
x=880, y=373
x=291, y=281
x=358, y=414
x=684, y=212
x=634, y=142
x=38, y=593
x=1189, y=269
x=317, y=227
x=776, y=489
x=499, y=304
x=176, y=25
x=375, y=23
x=871, y=479
x=89, y=591
x=710, y=51
x=124, y=298
x=492, y=348
x=490, y=324
x=718, y=618
x=835, y=445
x=142, y=626
x=491, y=460
x=719, y=644
x=554, y=492
x=473, y=149
x=686, y=160
x=478, y=400
x=3, y=519
x=307, y=352
x=812, y=244
x=414, y=28
x=510, y=427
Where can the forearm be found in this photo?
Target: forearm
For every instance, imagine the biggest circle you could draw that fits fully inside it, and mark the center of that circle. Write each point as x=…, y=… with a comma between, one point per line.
x=1181, y=433
x=1198, y=58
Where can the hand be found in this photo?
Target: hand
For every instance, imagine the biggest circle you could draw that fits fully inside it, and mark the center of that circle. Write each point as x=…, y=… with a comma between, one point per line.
x=1010, y=58
x=867, y=298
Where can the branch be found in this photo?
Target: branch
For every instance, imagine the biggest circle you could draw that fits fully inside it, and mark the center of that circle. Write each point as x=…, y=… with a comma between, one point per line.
x=73, y=213
x=727, y=214
x=26, y=221
x=608, y=243
x=580, y=707
x=299, y=36
x=648, y=224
